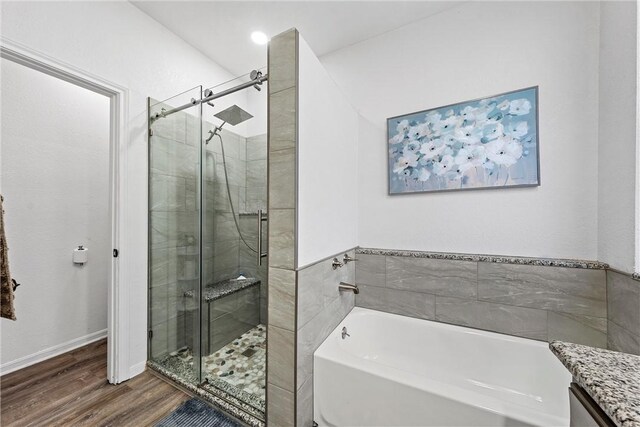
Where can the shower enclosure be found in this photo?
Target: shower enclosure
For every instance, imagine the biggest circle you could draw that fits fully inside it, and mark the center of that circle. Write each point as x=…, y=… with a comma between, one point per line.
x=207, y=241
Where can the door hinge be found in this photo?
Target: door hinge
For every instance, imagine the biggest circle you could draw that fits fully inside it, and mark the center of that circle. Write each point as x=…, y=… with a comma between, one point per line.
x=150, y=334
x=115, y=253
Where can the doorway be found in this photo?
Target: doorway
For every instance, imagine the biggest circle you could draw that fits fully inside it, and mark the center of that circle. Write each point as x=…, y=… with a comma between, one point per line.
x=60, y=162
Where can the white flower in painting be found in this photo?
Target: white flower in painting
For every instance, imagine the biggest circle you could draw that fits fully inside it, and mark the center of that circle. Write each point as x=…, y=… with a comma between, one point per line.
x=408, y=159
x=468, y=135
x=482, y=115
x=492, y=131
x=445, y=165
x=447, y=125
x=432, y=148
x=433, y=117
x=420, y=131
x=424, y=175
x=411, y=148
x=403, y=127
x=487, y=103
x=449, y=139
x=468, y=158
x=504, y=151
x=468, y=113
x=449, y=113
x=519, y=107
x=517, y=130
x=503, y=105
x=397, y=139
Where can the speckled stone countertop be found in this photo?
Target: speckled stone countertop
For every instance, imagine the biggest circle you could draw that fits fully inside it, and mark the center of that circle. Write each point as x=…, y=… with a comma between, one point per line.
x=222, y=289
x=612, y=379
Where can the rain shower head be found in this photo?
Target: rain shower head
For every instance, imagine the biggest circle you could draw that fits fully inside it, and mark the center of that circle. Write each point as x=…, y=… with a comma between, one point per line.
x=233, y=115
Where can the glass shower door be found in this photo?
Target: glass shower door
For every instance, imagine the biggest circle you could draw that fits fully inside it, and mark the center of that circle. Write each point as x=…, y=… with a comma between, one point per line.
x=234, y=302
x=175, y=233
x=207, y=203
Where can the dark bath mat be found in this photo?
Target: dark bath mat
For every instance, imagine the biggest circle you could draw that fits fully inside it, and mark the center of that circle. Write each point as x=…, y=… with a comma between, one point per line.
x=194, y=412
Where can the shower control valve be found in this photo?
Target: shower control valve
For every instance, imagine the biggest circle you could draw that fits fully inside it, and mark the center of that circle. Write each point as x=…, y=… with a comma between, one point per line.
x=336, y=264
x=347, y=259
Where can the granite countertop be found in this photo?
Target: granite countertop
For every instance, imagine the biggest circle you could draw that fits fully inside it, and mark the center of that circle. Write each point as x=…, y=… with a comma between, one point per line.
x=612, y=379
x=224, y=288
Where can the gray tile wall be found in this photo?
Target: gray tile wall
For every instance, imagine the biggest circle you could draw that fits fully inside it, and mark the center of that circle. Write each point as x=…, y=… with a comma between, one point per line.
x=173, y=231
x=623, y=311
x=223, y=248
x=321, y=307
x=538, y=302
x=231, y=316
x=174, y=220
x=282, y=174
x=255, y=198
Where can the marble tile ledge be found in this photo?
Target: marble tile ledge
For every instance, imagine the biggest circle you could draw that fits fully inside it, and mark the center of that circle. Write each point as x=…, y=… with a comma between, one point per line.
x=612, y=379
x=543, y=262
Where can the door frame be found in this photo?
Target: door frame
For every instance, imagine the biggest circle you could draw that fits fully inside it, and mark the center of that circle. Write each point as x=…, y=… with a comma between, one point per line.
x=118, y=322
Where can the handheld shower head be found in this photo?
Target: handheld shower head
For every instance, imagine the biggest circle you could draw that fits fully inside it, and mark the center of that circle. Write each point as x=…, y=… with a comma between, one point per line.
x=214, y=132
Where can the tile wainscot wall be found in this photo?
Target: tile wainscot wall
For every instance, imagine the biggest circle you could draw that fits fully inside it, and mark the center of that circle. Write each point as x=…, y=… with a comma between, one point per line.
x=623, y=312
x=321, y=308
x=532, y=298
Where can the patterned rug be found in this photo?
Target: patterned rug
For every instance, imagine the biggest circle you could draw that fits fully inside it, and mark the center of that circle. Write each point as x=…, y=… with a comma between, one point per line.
x=195, y=412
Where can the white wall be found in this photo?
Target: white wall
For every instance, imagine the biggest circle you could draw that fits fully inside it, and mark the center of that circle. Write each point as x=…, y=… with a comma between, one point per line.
x=55, y=181
x=475, y=50
x=119, y=43
x=327, y=164
x=617, y=192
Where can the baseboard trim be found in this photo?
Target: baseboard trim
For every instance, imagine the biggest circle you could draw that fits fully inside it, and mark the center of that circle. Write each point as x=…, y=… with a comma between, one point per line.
x=50, y=352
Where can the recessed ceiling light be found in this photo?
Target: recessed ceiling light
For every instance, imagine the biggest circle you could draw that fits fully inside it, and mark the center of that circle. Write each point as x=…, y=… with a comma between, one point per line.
x=259, y=37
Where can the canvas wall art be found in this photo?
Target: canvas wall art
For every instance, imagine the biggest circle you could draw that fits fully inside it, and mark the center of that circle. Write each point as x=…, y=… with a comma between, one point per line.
x=485, y=143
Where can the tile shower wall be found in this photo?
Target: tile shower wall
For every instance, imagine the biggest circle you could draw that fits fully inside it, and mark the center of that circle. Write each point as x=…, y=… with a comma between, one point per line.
x=532, y=301
x=221, y=240
x=321, y=307
x=174, y=220
x=282, y=148
x=174, y=230
x=304, y=303
x=255, y=198
x=623, y=293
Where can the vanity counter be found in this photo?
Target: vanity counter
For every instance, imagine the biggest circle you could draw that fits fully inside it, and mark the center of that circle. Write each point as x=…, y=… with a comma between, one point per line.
x=611, y=379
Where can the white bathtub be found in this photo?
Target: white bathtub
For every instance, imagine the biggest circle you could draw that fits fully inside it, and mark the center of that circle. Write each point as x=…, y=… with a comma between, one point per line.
x=398, y=371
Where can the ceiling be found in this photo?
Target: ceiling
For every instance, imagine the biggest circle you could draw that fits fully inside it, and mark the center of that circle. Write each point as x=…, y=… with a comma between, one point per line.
x=221, y=29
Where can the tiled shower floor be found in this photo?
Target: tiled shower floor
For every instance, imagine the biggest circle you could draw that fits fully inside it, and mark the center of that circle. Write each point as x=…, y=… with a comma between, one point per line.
x=241, y=363
x=239, y=368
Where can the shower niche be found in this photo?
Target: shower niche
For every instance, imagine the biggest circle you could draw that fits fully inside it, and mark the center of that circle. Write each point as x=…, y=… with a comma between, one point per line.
x=207, y=242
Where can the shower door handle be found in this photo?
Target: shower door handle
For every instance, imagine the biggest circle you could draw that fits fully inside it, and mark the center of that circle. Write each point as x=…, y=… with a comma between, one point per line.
x=259, y=251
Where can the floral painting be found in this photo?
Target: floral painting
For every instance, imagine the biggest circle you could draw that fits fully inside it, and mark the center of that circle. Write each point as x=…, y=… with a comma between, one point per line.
x=487, y=143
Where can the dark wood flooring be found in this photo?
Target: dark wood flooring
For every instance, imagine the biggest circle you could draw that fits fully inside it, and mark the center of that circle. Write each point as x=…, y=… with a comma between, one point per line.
x=72, y=390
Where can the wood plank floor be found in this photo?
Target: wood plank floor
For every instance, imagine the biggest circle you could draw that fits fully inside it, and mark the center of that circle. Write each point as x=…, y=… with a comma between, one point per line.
x=72, y=390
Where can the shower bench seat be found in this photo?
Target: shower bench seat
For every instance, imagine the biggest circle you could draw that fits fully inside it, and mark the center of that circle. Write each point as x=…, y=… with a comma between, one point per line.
x=233, y=308
x=226, y=287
